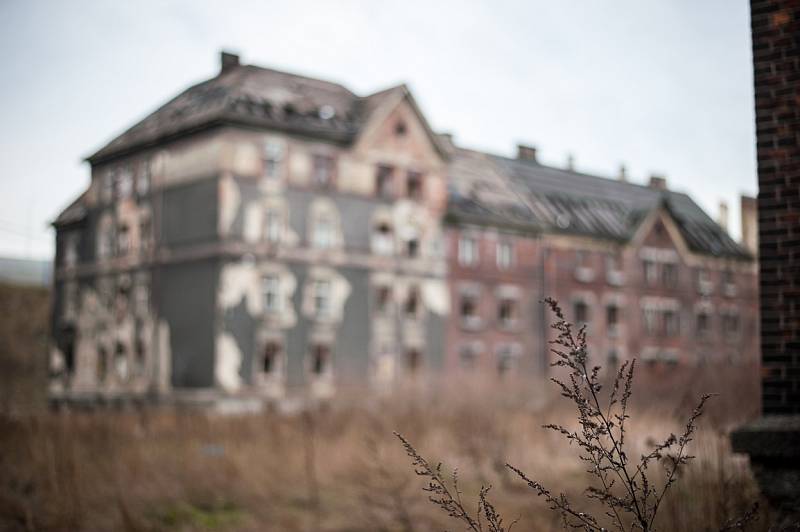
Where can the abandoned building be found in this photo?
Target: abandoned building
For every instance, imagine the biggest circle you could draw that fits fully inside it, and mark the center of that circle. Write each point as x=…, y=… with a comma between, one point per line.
x=267, y=235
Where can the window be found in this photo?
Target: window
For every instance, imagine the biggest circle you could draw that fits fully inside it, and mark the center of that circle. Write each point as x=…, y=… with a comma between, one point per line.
x=412, y=303
x=505, y=255
x=469, y=311
x=121, y=362
x=269, y=360
x=467, y=251
x=583, y=266
x=323, y=172
x=273, y=226
x=613, y=360
x=703, y=324
x=730, y=324
x=412, y=247
x=105, y=238
x=323, y=232
x=383, y=299
x=124, y=182
x=468, y=356
x=650, y=320
x=612, y=320
x=728, y=283
x=400, y=129
x=650, y=272
x=413, y=360
x=70, y=249
x=107, y=185
x=320, y=359
x=102, y=364
x=414, y=185
x=272, y=157
x=384, y=181
x=581, y=312
x=704, y=284
x=143, y=178
x=506, y=360
x=270, y=289
x=671, y=323
x=507, y=312
x=614, y=275
x=383, y=241
x=669, y=274
x=123, y=239
x=322, y=298
x=145, y=231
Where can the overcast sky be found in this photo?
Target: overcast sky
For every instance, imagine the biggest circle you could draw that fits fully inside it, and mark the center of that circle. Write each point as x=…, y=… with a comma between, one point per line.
x=661, y=86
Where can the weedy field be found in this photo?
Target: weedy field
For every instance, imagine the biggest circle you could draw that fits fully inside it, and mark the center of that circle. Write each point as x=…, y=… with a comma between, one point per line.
x=339, y=468
x=342, y=468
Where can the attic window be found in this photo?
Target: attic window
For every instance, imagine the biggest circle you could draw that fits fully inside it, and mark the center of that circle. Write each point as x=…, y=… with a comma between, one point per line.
x=400, y=129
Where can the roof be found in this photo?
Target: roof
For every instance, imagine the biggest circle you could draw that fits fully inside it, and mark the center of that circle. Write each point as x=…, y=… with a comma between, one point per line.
x=495, y=190
x=262, y=97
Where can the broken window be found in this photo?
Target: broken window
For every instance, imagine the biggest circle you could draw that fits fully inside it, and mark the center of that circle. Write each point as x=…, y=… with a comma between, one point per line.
x=703, y=324
x=383, y=299
x=413, y=360
x=650, y=272
x=270, y=289
x=669, y=274
x=323, y=171
x=320, y=359
x=467, y=251
x=272, y=158
x=505, y=255
x=121, y=362
x=123, y=239
x=612, y=320
x=414, y=185
x=143, y=178
x=124, y=182
x=322, y=235
x=70, y=249
x=650, y=320
x=383, y=241
x=269, y=362
x=671, y=323
x=273, y=226
x=412, y=303
x=581, y=310
x=102, y=364
x=384, y=181
x=507, y=312
x=322, y=298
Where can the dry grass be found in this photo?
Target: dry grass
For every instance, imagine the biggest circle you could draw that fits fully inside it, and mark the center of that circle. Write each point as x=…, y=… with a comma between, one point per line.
x=342, y=469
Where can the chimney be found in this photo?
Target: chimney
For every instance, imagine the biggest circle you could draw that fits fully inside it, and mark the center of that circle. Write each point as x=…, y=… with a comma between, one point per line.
x=722, y=217
x=526, y=153
x=623, y=173
x=749, y=215
x=228, y=61
x=658, y=182
x=570, y=162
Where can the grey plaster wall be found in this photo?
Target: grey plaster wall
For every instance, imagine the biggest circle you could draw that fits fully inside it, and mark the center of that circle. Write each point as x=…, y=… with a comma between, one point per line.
x=189, y=213
x=186, y=295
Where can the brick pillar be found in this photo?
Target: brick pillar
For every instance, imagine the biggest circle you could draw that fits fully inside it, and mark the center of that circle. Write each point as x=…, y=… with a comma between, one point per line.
x=773, y=442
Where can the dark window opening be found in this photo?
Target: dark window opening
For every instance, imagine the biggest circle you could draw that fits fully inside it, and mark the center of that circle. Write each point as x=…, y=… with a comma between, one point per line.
x=383, y=181
x=669, y=274
x=469, y=307
x=412, y=247
x=412, y=303
x=507, y=311
x=413, y=360
x=102, y=364
x=703, y=324
x=320, y=356
x=383, y=299
x=414, y=185
x=581, y=313
x=400, y=129
x=270, y=361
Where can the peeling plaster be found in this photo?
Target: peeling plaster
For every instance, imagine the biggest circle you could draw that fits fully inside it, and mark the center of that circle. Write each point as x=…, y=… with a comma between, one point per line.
x=436, y=296
x=227, y=363
x=229, y=202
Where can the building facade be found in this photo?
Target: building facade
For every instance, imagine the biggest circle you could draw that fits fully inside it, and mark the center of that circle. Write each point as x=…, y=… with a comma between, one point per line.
x=266, y=235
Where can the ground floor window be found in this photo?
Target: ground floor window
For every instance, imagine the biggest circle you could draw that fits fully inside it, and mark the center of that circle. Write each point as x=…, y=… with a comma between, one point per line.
x=270, y=358
x=320, y=359
x=413, y=360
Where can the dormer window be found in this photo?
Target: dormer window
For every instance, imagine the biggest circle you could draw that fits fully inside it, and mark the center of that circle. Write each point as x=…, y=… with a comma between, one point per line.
x=414, y=185
x=323, y=171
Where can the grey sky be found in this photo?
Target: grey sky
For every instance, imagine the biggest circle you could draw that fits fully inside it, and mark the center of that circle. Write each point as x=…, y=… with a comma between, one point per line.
x=663, y=86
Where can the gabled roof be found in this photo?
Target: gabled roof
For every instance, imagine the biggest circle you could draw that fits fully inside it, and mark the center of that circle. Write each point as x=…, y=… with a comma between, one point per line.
x=496, y=190
x=261, y=97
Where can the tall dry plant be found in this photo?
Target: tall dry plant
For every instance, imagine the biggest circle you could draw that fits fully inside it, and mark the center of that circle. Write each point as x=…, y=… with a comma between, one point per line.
x=629, y=491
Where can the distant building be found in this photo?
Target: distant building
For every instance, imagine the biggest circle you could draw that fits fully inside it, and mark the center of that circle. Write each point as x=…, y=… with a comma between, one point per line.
x=267, y=235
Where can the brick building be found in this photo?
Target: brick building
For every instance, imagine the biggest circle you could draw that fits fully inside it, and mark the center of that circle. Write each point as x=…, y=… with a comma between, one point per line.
x=773, y=441
x=266, y=235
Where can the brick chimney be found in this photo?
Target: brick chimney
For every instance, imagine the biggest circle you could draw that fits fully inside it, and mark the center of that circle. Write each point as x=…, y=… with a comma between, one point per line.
x=658, y=182
x=722, y=215
x=749, y=216
x=526, y=153
x=228, y=61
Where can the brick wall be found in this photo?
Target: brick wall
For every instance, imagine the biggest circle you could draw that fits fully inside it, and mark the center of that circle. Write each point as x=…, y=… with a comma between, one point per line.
x=776, y=61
